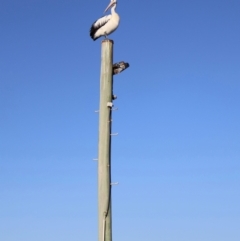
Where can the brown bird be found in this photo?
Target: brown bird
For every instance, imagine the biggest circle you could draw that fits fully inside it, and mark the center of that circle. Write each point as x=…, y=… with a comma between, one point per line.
x=119, y=67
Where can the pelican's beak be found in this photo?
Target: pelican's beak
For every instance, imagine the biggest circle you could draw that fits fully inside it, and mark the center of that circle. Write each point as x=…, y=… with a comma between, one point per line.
x=109, y=6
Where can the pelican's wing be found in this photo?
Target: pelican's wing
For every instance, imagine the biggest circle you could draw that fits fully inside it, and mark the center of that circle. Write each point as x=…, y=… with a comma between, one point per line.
x=98, y=24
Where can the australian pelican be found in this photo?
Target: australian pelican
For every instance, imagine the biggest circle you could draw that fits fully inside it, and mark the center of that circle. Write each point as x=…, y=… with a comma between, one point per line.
x=107, y=24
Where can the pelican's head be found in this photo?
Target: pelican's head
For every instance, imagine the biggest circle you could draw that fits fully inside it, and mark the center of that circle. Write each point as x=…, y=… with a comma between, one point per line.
x=111, y=4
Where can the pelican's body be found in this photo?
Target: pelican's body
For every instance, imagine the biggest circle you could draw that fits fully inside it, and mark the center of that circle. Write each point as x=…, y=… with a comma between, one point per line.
x=107, y=24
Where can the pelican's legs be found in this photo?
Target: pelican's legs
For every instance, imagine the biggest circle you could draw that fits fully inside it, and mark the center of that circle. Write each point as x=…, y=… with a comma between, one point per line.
x=105, y=35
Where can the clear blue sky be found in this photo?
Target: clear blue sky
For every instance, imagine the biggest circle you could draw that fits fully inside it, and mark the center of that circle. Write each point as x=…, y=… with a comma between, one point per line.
x=177, y=155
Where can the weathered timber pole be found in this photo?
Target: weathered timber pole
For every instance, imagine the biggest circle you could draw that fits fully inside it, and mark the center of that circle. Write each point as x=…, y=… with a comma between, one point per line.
x=104, y=143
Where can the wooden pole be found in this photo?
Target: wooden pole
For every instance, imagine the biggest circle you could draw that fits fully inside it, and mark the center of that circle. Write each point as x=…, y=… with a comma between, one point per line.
x=104, y=143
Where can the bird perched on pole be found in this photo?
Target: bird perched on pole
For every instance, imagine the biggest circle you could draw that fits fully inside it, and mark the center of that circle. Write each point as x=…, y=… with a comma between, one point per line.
x=107, y=24
x=119, y=67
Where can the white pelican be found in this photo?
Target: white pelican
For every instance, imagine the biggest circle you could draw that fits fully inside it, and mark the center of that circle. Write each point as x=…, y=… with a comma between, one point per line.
x=107, y=24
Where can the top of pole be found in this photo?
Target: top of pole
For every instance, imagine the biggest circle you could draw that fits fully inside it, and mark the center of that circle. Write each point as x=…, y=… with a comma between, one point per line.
x=107, y=40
